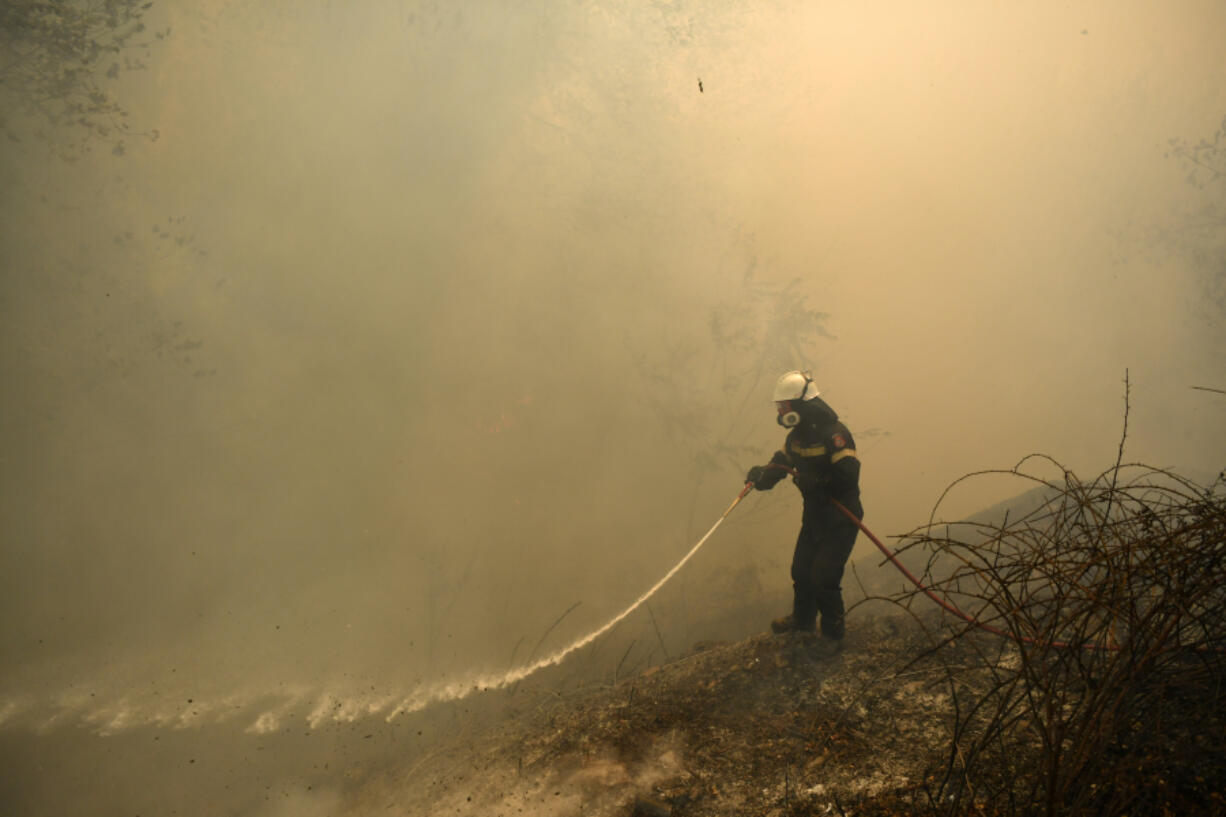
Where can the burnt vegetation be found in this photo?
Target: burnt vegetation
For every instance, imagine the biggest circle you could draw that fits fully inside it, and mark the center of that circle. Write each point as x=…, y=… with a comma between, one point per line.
x=1106, y=694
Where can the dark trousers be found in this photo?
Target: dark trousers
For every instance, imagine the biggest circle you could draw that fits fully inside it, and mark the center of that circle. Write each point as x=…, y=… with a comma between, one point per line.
x=822, y=549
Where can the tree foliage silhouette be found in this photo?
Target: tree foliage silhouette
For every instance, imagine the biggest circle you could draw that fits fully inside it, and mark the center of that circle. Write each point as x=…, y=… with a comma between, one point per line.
x=55, y=58
x=1200, y=234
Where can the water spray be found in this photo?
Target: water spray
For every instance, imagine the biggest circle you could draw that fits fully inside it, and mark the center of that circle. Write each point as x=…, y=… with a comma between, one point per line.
x=455, y=690
x=124, y=712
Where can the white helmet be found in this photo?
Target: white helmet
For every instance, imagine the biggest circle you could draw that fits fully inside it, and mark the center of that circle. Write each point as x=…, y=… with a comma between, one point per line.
x=794, y=386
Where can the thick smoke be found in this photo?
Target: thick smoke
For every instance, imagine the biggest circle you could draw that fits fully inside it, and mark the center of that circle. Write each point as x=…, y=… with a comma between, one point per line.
x=418, y=325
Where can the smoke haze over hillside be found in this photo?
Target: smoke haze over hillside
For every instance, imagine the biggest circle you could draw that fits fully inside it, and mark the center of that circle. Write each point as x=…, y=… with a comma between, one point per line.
x=418, y=323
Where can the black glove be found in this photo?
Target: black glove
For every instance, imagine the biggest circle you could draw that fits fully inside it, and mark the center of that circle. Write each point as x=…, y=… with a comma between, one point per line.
x=759, y=477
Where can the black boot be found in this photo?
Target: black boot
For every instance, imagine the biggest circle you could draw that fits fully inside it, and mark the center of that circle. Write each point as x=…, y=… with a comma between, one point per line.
x=830, y=603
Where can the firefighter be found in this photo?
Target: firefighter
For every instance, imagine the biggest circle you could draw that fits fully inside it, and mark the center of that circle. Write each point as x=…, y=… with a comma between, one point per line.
x=822, y=453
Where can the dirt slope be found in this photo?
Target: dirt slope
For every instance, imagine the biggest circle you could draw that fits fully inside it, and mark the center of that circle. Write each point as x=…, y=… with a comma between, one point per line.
x=768, y=726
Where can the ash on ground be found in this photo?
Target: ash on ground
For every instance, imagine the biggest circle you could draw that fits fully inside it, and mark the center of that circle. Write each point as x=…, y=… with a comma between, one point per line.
x=773, y=725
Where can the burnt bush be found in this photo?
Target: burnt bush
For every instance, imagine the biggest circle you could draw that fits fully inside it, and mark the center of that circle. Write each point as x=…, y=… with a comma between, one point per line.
x=1088, y=674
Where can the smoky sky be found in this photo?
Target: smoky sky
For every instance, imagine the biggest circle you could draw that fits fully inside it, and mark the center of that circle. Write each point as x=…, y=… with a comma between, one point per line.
x=418, y=323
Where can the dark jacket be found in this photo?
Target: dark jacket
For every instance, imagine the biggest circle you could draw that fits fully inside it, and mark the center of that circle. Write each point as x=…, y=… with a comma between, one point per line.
x=823, y=453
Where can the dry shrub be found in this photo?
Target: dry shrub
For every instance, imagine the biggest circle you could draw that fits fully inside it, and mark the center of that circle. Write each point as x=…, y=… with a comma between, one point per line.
x=1092, y=678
